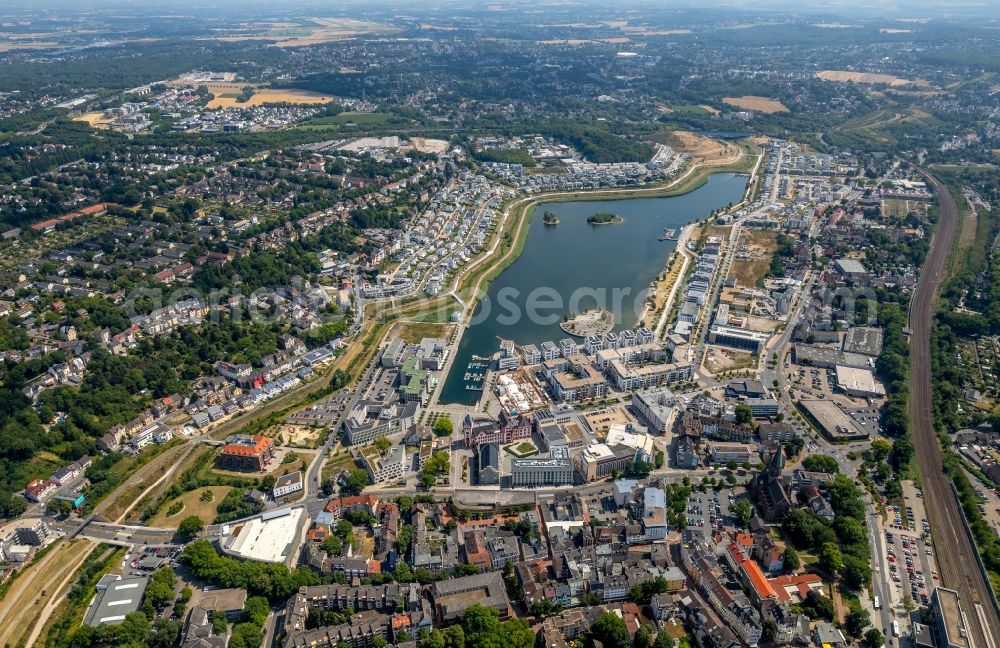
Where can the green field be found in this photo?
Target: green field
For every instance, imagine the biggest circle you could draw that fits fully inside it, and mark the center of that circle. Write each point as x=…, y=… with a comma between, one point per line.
x=359, y=118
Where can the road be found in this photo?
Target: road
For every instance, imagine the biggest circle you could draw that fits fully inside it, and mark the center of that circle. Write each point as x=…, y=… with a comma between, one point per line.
x=957, y=562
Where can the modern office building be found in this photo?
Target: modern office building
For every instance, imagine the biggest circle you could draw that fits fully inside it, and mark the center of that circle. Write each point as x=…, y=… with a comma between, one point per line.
x=737, y=338
x=531, y=473
x=949, y=621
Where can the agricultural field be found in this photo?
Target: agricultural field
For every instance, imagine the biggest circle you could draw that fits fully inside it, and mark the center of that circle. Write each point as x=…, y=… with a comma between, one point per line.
x=867, y=77
x=265, y=96
x=94, y=119
x=310, y=31
x=757, y=104
x=35, y=590
x=348, y=118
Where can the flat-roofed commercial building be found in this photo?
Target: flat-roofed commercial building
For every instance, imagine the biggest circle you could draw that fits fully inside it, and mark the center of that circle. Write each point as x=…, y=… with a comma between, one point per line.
x=268, y=537
x=859, y=382
x=737, y=338
x=949, y=624
x=532, y=473
x=832, y=421
x=599, y=460
x=816, y=356
x=866, y=340
x=721, y=453
x=118, y=599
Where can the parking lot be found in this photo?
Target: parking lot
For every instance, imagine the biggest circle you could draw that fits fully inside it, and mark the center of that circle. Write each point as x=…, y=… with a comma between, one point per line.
x=708, y=512
x=909, y=558
x=867, y=419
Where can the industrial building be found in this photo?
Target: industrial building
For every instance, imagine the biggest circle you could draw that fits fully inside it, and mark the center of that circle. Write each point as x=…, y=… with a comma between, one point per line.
x=117, y=599
x=859, y=382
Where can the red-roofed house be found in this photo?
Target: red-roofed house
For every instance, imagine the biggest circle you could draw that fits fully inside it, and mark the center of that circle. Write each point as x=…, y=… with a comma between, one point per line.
x=751, y=574
x=354, y=503
x=796, y=588
x=246, y=453
x=39, y=490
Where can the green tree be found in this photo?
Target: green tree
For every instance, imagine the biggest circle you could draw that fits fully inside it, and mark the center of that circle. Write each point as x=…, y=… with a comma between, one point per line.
x=792, y=560
x=443, y=427
x=769, y=630
x=190, y=527
x=830, y=558
x=820, y=607
x=255, y=610
x=742, y=510
x=382, y=444
x=663, y=640
x=744, y=415
x=856, y=572
x=820, y=463
x=357, y=479
x=611, y=631
x=643, y=637
x=874, y=638
x=246, y=635
x=160, y=590
x=856, y=621
x=166, y=632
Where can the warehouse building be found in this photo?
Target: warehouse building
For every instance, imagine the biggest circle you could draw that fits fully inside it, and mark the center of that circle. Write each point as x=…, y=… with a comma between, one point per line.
x=120, y=598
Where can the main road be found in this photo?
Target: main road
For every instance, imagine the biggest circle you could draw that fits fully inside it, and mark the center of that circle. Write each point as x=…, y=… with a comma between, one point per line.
x=956, y=554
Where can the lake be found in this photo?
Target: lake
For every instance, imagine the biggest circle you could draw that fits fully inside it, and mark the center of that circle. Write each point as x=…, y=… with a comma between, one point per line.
x=574, y=266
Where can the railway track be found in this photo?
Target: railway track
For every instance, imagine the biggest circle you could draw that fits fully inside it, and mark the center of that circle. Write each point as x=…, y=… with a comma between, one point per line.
x=955, y=551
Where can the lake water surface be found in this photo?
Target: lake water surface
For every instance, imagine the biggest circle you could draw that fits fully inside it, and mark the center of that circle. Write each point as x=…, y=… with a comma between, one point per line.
x=574, y=266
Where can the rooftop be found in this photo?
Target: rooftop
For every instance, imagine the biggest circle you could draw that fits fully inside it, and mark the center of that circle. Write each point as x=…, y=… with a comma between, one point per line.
x=268, y=537
x=121, y=597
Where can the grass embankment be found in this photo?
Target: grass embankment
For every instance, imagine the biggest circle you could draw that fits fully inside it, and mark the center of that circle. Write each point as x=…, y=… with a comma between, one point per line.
x=37, y=587
x=98, y=563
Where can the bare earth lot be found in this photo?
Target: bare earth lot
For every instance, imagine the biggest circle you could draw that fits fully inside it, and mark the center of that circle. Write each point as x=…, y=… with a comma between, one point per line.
x=866, y=77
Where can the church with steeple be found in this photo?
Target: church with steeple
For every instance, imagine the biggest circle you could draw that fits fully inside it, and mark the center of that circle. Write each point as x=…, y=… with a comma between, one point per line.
x=771, y=491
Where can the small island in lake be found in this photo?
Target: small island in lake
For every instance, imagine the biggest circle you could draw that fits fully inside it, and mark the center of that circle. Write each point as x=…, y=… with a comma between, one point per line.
x=549, y=218
x=592, y=322
x=602, y=218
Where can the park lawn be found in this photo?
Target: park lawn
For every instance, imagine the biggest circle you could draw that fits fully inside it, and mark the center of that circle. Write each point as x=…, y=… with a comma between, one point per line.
x=192, y=506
